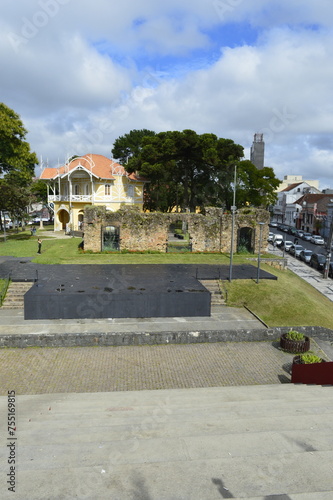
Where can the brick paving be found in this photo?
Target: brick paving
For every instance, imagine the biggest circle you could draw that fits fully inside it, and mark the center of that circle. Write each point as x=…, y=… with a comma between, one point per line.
x=132, y=368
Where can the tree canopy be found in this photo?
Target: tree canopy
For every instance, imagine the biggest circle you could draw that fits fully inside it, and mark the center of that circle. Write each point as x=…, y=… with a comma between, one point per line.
x=15, y=151
x=189, y=170
x=129, y=145
x=17, y=164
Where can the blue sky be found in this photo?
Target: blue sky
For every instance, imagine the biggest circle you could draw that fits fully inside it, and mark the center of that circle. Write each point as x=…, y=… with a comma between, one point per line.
x=82, y=73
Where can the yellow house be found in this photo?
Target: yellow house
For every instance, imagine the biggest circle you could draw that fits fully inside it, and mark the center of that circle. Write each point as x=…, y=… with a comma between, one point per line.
x=89, y=180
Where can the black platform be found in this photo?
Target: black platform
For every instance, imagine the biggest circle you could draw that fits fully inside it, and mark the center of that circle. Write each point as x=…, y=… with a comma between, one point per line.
x=119, y=291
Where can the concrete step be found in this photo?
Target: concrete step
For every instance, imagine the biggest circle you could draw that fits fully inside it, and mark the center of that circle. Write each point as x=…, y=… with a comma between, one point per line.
x=15, y=295
x=230, y=442
x=213, y=286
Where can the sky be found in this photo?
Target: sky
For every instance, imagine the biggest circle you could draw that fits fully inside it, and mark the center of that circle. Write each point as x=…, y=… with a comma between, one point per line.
x=81, y=73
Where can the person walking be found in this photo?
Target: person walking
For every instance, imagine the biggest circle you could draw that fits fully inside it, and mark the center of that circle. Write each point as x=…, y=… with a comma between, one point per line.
x=39, y=241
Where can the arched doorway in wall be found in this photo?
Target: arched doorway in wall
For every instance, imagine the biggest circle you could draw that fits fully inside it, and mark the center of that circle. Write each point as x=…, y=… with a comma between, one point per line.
x=63, y=218
x=245, y=240
x=80, y=220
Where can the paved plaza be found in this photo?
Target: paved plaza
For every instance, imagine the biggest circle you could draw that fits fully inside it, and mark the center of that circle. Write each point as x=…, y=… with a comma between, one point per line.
x=134, y=368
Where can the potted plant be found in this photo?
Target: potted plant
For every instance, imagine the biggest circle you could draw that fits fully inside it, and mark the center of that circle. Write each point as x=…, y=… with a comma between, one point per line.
x=308, y=359
x=294, y=342
x=309, y=368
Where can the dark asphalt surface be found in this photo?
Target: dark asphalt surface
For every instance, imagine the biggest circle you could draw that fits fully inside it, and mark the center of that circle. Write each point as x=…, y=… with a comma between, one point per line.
x=21, y=269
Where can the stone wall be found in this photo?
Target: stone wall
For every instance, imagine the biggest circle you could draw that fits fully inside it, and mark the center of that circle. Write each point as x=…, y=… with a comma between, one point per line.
x=71, y=339
x=140, y=231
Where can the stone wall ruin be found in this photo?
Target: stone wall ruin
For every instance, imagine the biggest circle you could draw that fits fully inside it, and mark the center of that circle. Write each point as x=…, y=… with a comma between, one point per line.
x=149, y=231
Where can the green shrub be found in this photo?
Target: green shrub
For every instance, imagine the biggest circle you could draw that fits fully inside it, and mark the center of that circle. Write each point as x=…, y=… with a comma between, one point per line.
x=309, y=359
x=293, y=335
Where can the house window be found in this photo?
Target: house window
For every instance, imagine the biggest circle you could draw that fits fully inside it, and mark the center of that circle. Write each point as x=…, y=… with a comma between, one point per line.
x=130, y=191
x=107, y=188
x=76, y=189
x=87, y=189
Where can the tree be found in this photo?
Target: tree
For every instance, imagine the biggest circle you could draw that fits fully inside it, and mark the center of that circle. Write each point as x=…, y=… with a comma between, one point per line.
x=129, y=145
x=184, y=165
x=256, y=186
x=15, y=152
x=17, y=164
x=190, y=170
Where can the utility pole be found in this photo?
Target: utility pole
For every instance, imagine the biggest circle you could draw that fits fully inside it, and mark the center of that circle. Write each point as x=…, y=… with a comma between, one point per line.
x=233, y=210
x=329, y=251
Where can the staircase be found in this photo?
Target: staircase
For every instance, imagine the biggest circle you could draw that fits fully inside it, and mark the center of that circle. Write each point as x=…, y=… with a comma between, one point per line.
x=213, y=286
x=15, y=294
x=251, y=442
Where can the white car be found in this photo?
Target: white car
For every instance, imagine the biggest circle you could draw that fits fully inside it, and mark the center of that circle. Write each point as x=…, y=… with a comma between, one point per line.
x=270, y=237
x=286, y=245
x=317, y=240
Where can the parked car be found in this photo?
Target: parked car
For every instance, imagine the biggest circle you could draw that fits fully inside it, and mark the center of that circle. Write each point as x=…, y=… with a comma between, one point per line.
x=292, y=230
x=270, y=237
x=295, y=250
x=307, y=236
x=273, y=224
x=305, y=255
x=277, y=239
x=317, y=240
x=299, y=233
x=286, y=245
x=318, y=261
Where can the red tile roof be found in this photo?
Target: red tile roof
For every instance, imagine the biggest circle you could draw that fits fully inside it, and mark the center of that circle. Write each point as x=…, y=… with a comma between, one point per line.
x=100, y=166
x=292, y=186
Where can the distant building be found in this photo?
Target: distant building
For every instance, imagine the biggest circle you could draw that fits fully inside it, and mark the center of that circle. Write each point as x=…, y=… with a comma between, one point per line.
x=292, y=179
x=285, y=210
x=89, y=180
x=313, y=212
x=257, y=154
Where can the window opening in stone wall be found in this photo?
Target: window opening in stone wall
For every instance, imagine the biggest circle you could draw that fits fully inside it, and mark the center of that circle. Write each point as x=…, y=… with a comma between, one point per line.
x=245, y=240
x=110, y=238
x=179, y=239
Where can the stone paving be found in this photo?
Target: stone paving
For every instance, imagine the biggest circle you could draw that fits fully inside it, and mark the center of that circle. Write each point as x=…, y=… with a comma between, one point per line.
x=105, y=369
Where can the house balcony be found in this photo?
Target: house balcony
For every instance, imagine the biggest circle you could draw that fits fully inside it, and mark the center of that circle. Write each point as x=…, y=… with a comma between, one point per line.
x=83, y=198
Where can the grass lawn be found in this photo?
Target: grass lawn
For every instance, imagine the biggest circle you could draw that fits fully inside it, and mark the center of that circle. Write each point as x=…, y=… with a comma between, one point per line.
x=286, y=301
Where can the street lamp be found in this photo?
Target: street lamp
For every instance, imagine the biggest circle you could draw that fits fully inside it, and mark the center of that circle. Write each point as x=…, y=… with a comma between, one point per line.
x=233, y=210
x=261, y=224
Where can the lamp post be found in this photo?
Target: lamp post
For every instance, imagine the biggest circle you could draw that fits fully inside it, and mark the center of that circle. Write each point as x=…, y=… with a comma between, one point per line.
x=329, y=252
x=261, y=224
x=4, y=226
x=233, y=210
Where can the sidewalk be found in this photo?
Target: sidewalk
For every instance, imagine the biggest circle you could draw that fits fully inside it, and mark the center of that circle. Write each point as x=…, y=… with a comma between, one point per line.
x=307, y=273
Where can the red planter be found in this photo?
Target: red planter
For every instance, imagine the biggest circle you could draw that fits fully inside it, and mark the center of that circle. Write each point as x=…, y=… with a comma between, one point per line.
x=316, y=373
x=294, y=346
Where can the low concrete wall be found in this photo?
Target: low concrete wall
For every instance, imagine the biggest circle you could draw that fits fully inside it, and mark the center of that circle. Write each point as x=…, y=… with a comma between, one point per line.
x=143, y=338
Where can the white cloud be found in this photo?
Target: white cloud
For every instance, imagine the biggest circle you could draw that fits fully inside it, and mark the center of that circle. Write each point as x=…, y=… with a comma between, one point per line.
x=86, y=72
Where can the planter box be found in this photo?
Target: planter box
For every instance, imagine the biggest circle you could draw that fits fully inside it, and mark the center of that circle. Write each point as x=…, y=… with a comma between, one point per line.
x=294, y=346
x=316, y=373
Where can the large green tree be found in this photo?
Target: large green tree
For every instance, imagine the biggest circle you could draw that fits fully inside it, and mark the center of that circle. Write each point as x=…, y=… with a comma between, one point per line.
x=17, y=164
x=189, y=170
x=15, y=151
x=129, y=145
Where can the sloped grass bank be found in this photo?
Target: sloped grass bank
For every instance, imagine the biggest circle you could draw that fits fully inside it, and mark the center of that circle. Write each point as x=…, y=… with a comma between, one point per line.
x=287, y=301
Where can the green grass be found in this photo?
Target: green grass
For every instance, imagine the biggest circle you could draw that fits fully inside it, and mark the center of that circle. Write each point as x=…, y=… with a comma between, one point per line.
x=288, y=301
